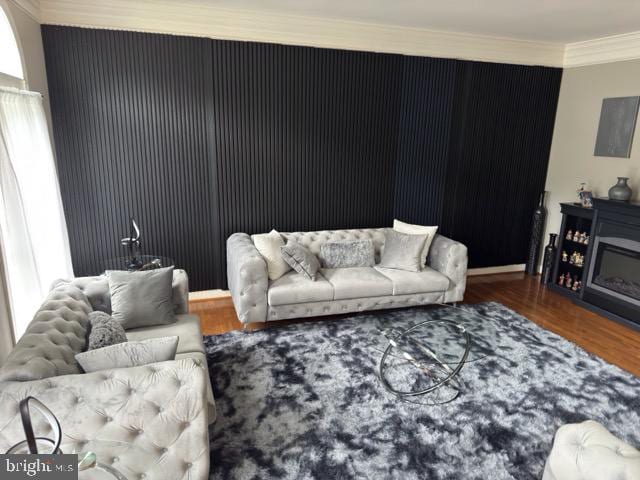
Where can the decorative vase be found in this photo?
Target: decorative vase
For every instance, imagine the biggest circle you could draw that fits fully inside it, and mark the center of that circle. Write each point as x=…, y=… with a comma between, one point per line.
x=536, y=236
x=621, y=191
x=550, y=252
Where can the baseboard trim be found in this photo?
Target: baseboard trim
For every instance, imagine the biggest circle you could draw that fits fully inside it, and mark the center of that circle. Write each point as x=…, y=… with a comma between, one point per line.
x=208, y=295
x=472, y=272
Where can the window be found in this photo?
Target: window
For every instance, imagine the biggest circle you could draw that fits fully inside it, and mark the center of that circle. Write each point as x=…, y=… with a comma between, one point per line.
x=10, y=60
x=33, y=231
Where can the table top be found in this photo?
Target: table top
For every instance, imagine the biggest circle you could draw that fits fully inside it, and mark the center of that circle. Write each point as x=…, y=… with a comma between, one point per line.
x=137, y=263
x=443, y=332
x=421, y=362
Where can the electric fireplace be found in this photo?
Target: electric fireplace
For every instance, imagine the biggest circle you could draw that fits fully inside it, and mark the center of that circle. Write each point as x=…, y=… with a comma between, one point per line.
x=613, y=275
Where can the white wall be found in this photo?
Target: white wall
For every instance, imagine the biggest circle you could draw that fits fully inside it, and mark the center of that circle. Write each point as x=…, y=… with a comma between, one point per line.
x=572, y=161
x=29, y=38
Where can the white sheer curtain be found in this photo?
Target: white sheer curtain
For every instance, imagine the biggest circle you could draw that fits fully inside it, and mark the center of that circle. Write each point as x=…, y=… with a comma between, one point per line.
x=33, y=230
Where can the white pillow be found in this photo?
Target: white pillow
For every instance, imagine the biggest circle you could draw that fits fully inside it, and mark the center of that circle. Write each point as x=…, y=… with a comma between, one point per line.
x=410, y=229
x=268, y=244
x=129, y=354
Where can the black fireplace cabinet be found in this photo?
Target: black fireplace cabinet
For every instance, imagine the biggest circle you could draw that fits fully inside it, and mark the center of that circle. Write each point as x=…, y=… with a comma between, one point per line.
x=609, y=275
x=575, y=218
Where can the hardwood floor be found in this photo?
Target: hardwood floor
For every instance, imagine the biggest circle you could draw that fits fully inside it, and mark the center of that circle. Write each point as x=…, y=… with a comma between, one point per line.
x=609, y=340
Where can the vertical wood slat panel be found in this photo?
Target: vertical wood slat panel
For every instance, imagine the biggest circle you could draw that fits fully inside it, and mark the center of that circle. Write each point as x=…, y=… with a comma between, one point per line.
x=305, y=138
x=428, y=90
x=201, y=138
x=131, y=139
x=501, y=135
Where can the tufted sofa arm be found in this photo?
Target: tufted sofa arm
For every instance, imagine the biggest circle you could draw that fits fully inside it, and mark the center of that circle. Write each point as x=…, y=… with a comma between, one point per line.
x=450, y=258
x=148, y=422
x=248, y=278
x=587, y=451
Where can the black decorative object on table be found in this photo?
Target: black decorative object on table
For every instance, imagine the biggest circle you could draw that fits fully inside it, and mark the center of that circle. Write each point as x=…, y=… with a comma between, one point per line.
x=135, y=261
x=133, y=245
x=536, y=236
x=549, y=257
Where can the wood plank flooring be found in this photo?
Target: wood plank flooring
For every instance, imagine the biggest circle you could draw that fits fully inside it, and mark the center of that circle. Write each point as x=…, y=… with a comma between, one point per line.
x=609, y=340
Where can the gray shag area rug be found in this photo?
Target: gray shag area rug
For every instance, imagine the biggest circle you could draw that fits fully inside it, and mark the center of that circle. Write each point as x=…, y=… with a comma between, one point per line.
x=304, y=402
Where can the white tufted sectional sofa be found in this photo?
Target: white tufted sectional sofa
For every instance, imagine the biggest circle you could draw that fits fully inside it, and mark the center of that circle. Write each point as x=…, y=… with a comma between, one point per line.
x=341, y=290
x=588, y=451
x=150, y=422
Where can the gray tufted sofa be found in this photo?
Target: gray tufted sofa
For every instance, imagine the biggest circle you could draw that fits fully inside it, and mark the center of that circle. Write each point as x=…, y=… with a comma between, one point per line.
x=150, y=422
x=342, y=290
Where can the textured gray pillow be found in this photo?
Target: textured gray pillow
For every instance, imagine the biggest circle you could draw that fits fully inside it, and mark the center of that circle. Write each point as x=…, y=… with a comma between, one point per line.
x=300, y=259
x=142, y=299
x=129, y=354
x=104, y=331
x=347, y=253
x=402, y=251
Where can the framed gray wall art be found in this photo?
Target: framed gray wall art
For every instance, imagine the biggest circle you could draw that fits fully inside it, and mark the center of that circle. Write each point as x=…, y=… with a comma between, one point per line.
x=617, y=125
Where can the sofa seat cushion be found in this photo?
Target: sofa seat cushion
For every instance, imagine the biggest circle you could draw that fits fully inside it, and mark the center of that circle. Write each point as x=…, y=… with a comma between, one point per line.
x=293, y=288
x=408, y=283
x=359, y=282
x=186, y=327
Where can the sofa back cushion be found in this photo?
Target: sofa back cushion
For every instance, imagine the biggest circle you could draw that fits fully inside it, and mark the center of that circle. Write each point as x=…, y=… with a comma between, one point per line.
x=314, y=240
x=97, y=291
x=57, y=332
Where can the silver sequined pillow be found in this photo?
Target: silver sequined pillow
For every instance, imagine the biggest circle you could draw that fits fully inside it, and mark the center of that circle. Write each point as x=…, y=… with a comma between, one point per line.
x=402, y=251
x=105, y=331
x=347, y=253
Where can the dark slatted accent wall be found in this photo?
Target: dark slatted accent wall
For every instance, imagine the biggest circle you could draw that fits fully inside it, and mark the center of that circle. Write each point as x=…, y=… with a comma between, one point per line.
x=500, y=142
x=428, y=90
x=201, y=138
x=304, y=138
x=129, y=115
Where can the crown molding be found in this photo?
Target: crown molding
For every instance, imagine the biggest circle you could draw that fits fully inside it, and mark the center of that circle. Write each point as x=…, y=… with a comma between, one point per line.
x=30, y=7
x=617, y=48
x=194, y=18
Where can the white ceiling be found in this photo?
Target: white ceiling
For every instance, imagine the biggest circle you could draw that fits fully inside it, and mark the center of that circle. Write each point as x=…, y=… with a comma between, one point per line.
x=558, y=21
x=559, y=33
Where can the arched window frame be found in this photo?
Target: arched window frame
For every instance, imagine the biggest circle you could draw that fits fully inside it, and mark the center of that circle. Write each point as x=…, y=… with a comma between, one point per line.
x=5, y=79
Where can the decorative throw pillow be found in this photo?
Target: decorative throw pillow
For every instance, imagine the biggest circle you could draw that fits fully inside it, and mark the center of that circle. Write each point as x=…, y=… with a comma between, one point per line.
x=142, y=299
x=402, y=251
x=129, y=354
x=300, y=259
x=410, y=229
x=104, y=331
x=269, y=244
x=347, y=253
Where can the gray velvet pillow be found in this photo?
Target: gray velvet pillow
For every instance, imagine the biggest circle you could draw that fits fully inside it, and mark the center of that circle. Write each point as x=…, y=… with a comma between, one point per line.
x=142, y=299
x=105, y=331
x=300, y=259
x=129, y=354
x=347, y=253
x=402, y=251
